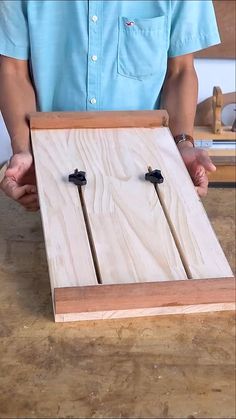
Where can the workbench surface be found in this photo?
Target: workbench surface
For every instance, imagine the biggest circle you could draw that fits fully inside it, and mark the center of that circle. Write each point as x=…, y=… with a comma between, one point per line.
x=179, y=366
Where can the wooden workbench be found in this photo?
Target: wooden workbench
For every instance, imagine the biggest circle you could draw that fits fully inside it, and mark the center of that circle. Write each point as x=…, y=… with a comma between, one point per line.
x=178, y=366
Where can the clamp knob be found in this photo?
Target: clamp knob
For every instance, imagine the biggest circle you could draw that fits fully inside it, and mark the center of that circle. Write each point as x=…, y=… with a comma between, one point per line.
x=154, y=176
x=78, y=178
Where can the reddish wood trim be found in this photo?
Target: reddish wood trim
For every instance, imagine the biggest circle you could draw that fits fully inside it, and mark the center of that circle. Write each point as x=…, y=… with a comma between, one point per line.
x=109, y=119
x=143, y=295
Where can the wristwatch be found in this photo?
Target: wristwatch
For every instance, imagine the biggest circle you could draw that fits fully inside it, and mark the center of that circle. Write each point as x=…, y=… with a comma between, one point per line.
x=183, y=137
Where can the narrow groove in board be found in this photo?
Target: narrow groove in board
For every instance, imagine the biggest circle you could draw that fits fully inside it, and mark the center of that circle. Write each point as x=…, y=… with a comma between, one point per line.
x=90, y=236
x=173, y=231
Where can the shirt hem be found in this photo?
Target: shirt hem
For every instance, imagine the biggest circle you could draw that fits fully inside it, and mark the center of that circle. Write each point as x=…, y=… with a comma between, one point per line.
x=12, y=51
x=193, y=45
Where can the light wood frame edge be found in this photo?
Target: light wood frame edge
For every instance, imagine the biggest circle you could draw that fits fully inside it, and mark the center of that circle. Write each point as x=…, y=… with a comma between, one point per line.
x=100, y=298
x=103, y=119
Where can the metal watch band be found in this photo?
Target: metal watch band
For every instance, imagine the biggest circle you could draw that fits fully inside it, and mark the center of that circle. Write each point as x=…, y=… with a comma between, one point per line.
x=183, y=137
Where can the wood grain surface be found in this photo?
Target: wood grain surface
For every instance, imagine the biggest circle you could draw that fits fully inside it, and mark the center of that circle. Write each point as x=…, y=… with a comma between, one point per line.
x=169, y=366
x=132, y=238
x=3, y=171
x=223, y=174
x=68, y=252
x=192, y=227
x=206, y=133
x=144, y=296
x=104, y=119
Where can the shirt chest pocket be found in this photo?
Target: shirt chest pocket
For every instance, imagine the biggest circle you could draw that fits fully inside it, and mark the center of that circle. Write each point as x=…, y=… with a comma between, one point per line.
x=142, y=47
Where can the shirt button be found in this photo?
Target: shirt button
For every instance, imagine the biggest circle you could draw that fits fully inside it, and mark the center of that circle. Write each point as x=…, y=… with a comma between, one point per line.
x=94, y=58
x=94, y=18
x=93, y=101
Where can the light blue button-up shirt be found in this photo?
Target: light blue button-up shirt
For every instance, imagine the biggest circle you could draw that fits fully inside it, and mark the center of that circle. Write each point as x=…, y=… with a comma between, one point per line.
x=103, y=55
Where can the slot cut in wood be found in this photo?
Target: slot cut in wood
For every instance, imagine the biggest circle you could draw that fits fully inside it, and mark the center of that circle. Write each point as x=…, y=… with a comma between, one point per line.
x=90, y=236
x=172, y=230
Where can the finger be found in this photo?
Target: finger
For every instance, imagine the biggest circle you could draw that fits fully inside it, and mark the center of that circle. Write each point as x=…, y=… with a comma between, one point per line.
x=202, y=186
x=11, y=189
x=32, y=208
x=199, y=176
x=18, y=166
x=28, y=199
x=204, y=159
x=15, y=171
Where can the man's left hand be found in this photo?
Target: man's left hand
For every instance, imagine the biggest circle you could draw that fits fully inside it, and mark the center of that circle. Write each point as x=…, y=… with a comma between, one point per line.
x=198, y=164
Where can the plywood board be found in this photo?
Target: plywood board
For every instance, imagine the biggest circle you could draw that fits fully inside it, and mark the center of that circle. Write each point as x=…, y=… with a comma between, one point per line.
x=69, y=256
x=143, y=236
x=185, y=209
x=132, y=238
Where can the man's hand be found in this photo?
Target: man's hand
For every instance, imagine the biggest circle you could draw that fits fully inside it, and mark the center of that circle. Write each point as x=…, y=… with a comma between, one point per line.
x=19, y=182
x=198, y=164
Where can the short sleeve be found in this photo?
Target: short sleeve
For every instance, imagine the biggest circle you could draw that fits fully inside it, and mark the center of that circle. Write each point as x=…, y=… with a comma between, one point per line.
x=14, y=39
x=193, y=27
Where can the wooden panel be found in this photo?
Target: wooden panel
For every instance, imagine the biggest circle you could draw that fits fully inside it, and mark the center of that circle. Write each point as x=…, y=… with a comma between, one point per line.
x=122, y=206
x=131, y=235
x=223, y=174
x=225, y=14
x=144, y=296
x=110, y=119
x=192, y=227
x=206, y=133
x=68, y=252
x=223, y=159
x=135, y=240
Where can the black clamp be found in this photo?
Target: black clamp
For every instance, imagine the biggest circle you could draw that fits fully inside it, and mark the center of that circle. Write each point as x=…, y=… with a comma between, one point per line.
x=78, y=178
x=154, y=176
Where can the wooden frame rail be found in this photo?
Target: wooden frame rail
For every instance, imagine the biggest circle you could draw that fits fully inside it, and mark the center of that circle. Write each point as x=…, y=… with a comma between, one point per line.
x=144, y=295
x=106, y=119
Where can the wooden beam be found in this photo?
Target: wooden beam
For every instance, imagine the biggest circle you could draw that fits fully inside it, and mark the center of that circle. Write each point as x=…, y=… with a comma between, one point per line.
x=107, y=119
x=144, y=295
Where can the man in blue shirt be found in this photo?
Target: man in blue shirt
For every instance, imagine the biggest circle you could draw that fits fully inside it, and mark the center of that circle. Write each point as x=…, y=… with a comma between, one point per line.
x=100, y=55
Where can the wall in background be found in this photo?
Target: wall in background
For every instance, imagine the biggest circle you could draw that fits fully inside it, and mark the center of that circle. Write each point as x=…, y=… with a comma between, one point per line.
x=211, y=72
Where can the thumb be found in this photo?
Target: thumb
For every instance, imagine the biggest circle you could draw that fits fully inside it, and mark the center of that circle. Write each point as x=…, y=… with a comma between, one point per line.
x=204, y=159
x=16, y=169
x=13, y=190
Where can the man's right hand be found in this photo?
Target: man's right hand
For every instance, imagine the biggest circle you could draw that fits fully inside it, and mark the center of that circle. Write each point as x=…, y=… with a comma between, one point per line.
x=19, y=182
